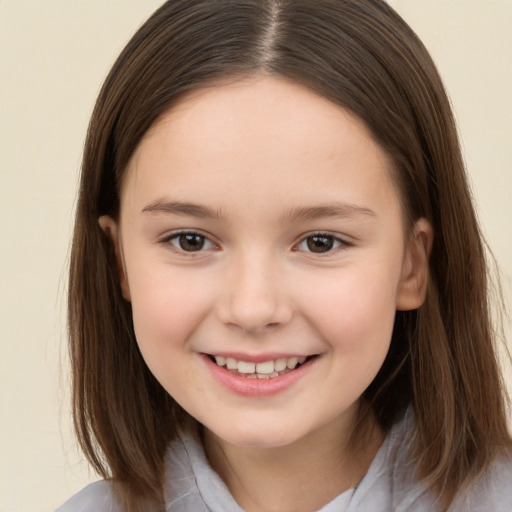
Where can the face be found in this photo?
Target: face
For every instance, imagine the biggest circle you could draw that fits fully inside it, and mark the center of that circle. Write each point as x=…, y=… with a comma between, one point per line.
x=263, y=249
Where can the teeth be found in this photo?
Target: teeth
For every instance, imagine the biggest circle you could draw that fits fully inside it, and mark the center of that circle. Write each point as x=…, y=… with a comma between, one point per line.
x=280, y=365
x=244, y=367
x=231, y=363
x=264, y=370
x=292, y=362
x=266, y=367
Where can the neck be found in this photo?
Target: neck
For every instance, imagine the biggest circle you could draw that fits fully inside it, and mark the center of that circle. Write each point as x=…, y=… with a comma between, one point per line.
x=302, y=476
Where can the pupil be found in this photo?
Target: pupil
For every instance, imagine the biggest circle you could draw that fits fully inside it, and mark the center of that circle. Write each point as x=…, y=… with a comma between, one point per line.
x=191, y=242
x=320, y=243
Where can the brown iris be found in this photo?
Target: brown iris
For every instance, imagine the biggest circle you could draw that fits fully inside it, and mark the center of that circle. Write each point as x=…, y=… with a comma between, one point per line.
x=191, y=242
x=320, y=243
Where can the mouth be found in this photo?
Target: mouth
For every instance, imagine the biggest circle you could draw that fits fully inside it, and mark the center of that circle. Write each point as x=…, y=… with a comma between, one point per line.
x=264, y=370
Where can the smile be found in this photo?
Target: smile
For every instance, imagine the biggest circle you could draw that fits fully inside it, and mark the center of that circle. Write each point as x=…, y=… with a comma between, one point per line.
x=259, y=376
x=261, y=370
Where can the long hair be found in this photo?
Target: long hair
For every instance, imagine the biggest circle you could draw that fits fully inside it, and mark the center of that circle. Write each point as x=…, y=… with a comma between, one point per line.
x=362, y=56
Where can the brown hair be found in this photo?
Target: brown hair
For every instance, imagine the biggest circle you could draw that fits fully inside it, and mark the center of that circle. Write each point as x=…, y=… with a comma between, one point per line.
x=362, y=56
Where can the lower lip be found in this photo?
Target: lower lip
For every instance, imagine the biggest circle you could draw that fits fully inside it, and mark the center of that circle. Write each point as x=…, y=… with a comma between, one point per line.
x=251, y=387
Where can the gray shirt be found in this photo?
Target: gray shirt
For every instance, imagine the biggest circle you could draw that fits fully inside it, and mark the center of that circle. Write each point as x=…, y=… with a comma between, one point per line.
x=388, y=486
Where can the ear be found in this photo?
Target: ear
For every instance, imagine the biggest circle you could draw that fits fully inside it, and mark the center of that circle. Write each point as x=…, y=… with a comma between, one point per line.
x=111, y=228
x=412, y=288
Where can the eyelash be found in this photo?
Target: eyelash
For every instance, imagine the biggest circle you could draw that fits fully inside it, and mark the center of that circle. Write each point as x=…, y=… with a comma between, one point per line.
x=335, y=242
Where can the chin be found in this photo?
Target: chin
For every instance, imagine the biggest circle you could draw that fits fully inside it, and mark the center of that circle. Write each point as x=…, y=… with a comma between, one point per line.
x=256, y=436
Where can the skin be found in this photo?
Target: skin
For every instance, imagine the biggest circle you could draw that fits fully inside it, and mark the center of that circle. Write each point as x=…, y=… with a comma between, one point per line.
x=263, y=157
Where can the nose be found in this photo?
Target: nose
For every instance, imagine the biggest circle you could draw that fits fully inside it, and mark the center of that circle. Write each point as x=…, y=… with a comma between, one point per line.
x=255, y=296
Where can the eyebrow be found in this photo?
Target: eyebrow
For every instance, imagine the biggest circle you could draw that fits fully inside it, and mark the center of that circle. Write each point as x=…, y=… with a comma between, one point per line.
x=298, y=214
x=341, y=210
x=182, y=208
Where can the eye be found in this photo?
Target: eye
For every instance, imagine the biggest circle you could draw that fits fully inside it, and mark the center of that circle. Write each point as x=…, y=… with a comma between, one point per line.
x=320, y=243
x=189, y=242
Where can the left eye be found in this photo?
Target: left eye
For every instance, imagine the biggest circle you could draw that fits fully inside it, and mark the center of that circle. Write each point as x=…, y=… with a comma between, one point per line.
x=190, y=242
x=320, y=243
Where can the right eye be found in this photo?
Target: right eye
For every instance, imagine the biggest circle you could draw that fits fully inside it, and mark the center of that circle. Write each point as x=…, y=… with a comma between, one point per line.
x=189, y=242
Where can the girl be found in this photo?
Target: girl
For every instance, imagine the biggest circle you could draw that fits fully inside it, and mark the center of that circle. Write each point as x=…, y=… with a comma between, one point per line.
x=278, y=296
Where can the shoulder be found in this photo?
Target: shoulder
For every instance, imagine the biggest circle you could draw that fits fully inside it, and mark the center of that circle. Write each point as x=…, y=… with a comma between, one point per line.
x=96, y=497
x=491, y=491
x=181, y=491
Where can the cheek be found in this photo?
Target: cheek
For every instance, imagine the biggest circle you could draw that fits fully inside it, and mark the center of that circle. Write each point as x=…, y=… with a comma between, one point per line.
x=167, y=307
x=354, y=311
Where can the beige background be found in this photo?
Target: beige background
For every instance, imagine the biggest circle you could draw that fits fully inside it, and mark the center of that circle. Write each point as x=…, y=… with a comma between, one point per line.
x=54, y=55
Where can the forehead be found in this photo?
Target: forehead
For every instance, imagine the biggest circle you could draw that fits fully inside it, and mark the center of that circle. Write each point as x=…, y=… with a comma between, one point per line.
x=259, y=137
